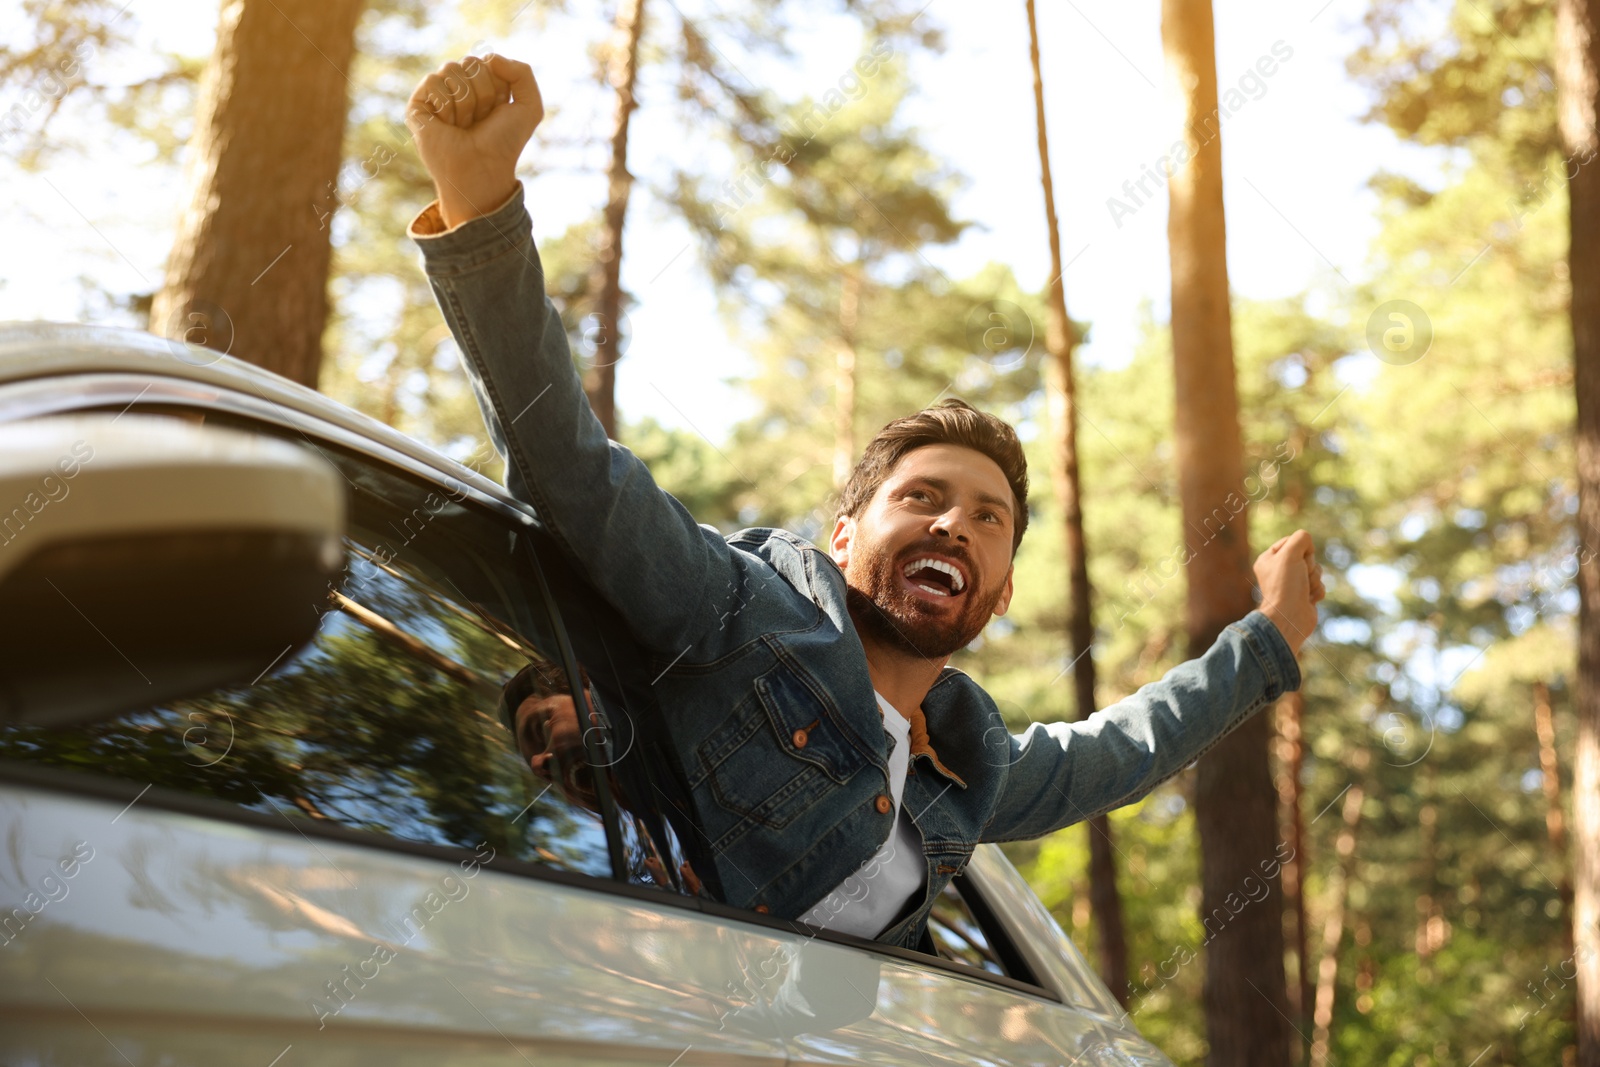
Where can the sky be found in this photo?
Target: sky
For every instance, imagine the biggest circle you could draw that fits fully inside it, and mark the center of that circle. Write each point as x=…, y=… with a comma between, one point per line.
x=1296, y=161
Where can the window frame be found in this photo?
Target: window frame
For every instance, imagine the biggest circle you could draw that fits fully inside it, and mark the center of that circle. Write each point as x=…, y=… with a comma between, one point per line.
x=122, y=391
x=1012, y=958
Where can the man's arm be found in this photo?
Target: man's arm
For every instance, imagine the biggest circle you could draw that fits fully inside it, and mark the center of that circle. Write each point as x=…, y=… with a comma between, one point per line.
x=1058, y=774
x=638, y=546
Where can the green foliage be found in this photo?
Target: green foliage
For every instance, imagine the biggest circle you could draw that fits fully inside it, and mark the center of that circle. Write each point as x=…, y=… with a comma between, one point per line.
x=827, y=252
x=1485, y=74
x=388, y=353
x=694, y=470
x=1468, y=513
x=53, y=60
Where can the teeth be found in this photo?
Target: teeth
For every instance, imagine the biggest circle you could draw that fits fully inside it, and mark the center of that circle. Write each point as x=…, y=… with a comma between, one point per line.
x=957, y=583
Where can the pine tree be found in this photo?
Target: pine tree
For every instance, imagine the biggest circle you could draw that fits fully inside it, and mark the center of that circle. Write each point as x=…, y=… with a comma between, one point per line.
x=1235, y=803
x=1060, y=339
x=248, y=272
x=1578, y=80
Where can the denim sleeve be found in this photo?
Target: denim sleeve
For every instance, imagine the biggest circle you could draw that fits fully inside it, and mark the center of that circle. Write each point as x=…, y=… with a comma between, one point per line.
x=638, y=546
x=1063, y=773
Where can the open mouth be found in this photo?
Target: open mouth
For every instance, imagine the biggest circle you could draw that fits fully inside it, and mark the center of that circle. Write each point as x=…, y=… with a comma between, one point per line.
x=935, y=577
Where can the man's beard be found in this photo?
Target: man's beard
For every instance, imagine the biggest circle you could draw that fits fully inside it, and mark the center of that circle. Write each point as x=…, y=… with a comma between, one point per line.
x=892, y=616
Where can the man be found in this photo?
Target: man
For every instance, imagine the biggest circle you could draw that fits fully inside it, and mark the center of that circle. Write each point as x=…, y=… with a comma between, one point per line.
x=839, y=771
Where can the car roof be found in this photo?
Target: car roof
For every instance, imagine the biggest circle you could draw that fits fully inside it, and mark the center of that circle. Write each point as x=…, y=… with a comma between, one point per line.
x=54, y=350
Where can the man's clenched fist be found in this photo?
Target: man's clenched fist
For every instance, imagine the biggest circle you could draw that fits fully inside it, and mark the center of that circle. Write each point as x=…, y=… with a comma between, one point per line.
x=471, y=120
x=1291, y=586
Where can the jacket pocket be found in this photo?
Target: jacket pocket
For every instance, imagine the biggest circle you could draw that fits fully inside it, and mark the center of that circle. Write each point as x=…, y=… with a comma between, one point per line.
x=776, y=754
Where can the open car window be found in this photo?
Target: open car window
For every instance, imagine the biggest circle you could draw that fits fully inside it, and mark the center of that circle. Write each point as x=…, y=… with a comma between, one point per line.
x=957, y=935
x=661, y=844
x=963, y=928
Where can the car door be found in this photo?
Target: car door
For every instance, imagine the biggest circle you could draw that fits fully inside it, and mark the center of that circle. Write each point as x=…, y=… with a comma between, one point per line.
x=833, y=998
x=976, y=1001
x=1014, y=916
x=347, y=860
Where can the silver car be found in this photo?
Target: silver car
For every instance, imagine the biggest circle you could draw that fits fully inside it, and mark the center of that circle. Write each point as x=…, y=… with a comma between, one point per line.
x=267, y=797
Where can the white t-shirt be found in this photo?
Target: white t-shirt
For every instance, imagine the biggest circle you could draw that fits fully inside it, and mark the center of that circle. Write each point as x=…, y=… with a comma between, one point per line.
x=865, y=903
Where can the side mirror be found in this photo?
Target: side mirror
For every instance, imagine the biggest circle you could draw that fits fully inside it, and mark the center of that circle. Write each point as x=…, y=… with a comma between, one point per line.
x=144, y=558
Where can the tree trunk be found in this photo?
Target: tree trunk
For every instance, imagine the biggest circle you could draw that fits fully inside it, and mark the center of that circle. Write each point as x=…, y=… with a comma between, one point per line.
x=622, y=71
x=1291, y=792
x=1333, y=925
x=1246, y=1002
x=1105, y=903
x=1433, y=930
x=1555, y=825
x=1291, y=770
x=1578, y=92
x=248, y=273
x=844, y=379
x=1554, y=821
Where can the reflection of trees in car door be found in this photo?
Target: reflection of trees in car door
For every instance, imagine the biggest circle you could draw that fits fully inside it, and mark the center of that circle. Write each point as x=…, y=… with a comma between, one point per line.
x=384, y=723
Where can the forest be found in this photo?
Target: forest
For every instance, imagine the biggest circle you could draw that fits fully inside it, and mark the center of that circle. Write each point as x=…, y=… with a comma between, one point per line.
x=1400, y=863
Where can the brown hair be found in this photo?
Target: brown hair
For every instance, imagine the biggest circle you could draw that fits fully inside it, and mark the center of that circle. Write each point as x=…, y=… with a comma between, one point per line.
x=949, y=422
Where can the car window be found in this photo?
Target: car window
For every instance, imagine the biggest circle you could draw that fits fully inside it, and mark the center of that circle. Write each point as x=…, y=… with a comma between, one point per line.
x=652, y=853
x=394, y=720
x=965, y=928
x=957, y=934
x=661, y=844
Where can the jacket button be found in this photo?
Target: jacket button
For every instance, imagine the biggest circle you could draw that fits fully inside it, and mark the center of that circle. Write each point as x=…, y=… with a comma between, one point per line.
x=883, y=804
x=799, y=739
x=762, y=909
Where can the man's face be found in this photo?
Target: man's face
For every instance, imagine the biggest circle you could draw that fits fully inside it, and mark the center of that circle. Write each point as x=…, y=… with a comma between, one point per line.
x=942, y=508
x=550, y=739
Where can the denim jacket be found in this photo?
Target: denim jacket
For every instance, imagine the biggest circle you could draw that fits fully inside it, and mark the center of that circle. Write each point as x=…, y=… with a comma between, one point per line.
x=763, y=680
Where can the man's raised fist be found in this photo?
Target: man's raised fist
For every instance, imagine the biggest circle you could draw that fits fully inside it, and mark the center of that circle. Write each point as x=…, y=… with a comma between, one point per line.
x=471, y=121
x=1291, y=586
